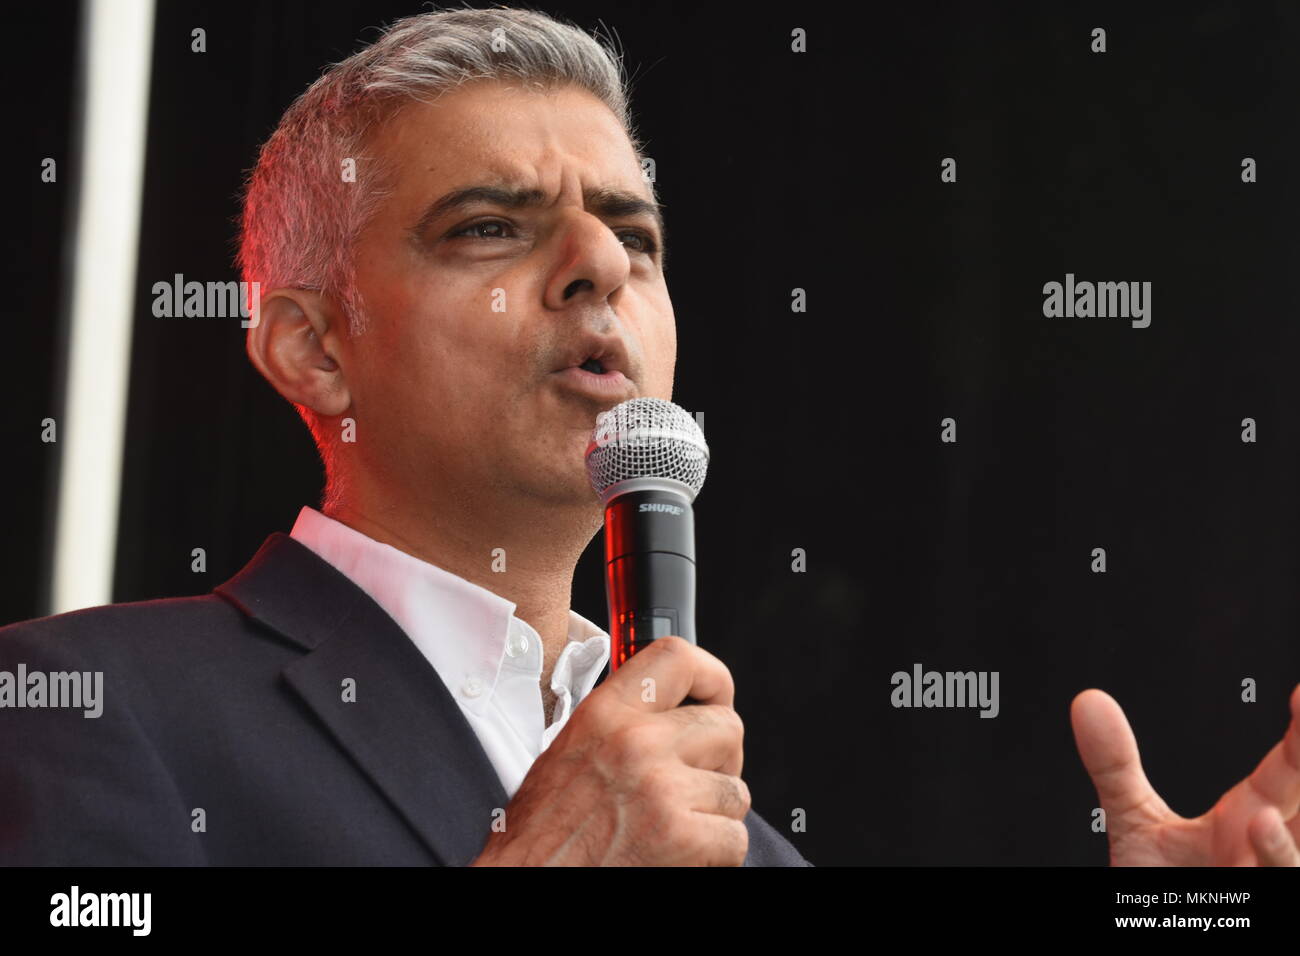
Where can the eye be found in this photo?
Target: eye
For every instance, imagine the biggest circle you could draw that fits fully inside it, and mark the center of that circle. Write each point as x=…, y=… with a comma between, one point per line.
x=647, y=241
x=486, y=229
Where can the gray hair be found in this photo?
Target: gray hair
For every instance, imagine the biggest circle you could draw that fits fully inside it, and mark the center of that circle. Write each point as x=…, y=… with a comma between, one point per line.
x=301, y=218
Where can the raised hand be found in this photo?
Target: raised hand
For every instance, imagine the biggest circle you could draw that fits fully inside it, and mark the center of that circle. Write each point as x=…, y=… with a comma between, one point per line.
x=1256, y=823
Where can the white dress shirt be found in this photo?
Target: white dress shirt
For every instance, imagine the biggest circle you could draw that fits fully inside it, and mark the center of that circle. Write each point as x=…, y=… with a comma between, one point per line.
x=490, y=660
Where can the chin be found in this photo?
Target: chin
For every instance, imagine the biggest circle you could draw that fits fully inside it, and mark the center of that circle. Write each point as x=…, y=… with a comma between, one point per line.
x=562, y=488
x=552, y=467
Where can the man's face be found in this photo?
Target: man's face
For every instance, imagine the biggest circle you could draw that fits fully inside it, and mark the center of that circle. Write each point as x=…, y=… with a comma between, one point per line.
x=480, y=308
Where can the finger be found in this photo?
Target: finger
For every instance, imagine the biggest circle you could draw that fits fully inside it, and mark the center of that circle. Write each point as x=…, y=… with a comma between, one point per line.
x=1271, y=840
x=725, y=841
x=710, y=737
x=664, y=674
x=1110, y=754
x=707, y=791
x=1277, y=778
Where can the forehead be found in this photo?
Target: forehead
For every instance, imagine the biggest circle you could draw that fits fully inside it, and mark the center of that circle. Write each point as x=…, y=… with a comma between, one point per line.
x=488, y=129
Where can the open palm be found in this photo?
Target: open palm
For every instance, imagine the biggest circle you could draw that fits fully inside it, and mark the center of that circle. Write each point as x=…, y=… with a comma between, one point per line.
x=1256, y=823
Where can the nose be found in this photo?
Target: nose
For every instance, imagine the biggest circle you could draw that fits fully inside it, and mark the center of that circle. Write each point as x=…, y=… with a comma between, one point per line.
x=593, y=263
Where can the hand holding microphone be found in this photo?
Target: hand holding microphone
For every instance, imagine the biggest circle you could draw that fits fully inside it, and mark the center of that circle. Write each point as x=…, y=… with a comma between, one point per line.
x=634, y=778
x=637, y=782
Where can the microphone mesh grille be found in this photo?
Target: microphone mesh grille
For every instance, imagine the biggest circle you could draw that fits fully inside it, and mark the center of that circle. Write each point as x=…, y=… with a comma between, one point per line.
x=647, y=438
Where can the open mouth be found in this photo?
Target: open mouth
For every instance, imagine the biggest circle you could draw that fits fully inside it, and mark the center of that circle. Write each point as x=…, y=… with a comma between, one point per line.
x=598, y=377
x=596, y=367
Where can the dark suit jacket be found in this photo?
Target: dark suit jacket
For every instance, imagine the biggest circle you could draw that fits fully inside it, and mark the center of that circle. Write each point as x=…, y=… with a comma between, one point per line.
x=231, y=703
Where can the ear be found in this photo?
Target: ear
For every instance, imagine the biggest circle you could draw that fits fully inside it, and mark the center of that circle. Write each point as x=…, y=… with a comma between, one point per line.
x=294, y=345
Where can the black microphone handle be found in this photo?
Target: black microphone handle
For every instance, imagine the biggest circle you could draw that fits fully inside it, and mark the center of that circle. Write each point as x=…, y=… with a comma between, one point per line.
x=649, y=570
x=666, y=584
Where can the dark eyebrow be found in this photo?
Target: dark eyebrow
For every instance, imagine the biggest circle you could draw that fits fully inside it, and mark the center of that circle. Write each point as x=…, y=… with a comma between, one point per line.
x=606, y=203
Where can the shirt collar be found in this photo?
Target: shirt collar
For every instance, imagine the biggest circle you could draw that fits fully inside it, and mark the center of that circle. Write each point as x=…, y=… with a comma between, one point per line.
x=461, y=628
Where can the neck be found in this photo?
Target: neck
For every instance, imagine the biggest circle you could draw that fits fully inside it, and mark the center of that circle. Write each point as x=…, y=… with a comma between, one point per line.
x=525, y=551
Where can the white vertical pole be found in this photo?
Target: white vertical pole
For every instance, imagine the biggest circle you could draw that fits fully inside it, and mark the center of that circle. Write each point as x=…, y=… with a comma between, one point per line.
x=119, y=49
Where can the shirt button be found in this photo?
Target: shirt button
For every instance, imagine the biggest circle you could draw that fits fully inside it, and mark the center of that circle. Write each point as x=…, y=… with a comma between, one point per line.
x=472, y=687
x=516, y=643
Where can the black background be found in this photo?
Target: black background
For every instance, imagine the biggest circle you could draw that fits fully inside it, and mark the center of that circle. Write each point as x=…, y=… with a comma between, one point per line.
x=821, y=171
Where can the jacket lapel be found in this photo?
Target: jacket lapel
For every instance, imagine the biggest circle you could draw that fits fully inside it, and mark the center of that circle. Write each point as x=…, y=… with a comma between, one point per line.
x=403, y=729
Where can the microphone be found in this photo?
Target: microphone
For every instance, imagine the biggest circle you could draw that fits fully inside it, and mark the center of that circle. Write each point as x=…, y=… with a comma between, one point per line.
x=646, y=460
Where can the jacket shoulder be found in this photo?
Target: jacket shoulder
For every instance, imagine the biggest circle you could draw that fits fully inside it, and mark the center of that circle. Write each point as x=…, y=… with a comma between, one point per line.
x=82, y=778
x=117, y=630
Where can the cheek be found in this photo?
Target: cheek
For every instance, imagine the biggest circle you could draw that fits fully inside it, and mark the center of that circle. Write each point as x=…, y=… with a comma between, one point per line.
x=449, y=325
x=668, y=360
x=661, y=352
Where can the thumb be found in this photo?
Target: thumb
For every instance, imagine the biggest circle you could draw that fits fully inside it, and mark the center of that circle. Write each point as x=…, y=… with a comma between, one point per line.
x=1110, y=755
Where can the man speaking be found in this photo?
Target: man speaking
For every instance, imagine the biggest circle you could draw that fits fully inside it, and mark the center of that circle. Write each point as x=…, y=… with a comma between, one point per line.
x=464, y=265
